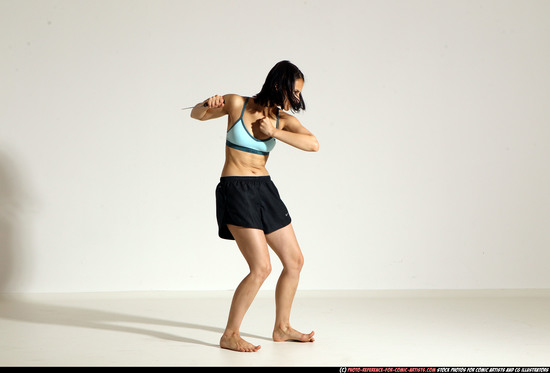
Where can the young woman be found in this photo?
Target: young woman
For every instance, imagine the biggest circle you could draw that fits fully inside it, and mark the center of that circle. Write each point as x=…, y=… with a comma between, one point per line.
x=248, y=207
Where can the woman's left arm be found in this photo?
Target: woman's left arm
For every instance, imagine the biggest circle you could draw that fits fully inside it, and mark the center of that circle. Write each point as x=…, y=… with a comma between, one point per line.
x=293, y=133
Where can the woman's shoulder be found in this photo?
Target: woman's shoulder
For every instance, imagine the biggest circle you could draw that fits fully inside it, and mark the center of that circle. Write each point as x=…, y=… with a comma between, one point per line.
x=233, y=104
x=287, y=119
x=234, y=98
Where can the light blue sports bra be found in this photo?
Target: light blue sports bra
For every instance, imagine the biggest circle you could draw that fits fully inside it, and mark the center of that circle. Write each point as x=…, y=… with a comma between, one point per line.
x=239, y=138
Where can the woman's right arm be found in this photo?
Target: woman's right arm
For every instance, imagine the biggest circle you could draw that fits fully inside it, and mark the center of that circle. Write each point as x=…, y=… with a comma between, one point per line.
x=215, y=108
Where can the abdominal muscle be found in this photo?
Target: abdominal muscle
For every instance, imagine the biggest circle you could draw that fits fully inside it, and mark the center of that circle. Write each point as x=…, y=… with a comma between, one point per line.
x=239, y=163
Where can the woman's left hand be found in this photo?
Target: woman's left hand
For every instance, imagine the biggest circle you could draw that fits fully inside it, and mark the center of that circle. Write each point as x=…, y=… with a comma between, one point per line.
x=267, y=127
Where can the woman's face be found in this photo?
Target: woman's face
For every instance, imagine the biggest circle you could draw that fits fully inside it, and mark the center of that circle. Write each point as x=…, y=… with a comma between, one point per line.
x=298, y=86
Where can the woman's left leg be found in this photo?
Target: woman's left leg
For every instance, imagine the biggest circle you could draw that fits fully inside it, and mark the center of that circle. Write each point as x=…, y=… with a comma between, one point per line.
x=285, y=245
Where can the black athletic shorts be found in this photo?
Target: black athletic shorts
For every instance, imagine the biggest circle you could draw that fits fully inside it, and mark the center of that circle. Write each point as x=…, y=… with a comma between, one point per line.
x=249, y=202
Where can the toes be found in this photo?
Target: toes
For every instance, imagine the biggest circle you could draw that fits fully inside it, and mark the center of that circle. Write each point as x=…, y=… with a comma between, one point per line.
x=251, y=348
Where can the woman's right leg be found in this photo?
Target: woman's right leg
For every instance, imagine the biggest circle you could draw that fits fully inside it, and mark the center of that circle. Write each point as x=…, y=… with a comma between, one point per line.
x=253, y=246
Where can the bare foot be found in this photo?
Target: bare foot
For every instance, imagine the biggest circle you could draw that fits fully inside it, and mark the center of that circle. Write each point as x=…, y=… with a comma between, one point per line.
x=289, y=334
x=236, y=343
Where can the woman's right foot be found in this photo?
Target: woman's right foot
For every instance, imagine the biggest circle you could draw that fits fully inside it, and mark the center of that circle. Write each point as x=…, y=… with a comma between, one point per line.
x=236, y=343
x=289, y=334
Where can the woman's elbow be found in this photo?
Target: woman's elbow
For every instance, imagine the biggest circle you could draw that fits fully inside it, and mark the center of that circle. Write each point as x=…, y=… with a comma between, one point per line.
x=201, y=118
x=314, y=146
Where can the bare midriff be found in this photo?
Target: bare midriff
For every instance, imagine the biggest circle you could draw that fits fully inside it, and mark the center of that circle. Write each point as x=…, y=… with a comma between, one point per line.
x=239, y=163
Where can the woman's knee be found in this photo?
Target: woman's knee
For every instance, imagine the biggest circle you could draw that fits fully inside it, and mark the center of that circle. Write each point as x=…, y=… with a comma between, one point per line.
x=261, y=271
x=294, y=264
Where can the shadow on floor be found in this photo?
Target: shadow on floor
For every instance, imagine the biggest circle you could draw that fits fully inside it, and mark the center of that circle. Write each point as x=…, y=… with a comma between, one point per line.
x=19, y=309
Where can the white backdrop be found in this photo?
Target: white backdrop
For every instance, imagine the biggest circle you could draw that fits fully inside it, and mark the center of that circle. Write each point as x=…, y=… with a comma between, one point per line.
x=433, y=119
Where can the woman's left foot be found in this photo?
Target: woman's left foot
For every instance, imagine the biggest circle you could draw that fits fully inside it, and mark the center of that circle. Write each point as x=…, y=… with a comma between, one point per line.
x=289, y=334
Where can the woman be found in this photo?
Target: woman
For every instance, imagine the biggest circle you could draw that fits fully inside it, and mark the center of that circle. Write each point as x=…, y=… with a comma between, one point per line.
x=248, y=207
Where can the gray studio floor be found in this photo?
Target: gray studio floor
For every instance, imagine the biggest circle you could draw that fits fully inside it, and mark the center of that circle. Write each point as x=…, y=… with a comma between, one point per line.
x=353, y=328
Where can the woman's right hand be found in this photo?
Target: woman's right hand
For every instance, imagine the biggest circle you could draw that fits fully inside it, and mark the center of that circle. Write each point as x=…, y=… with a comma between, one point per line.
x=202, y=110
x=215, y=102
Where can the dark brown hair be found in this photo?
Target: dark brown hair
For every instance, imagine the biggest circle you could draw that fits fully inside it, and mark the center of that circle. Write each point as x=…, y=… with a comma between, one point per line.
x=279, y=85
